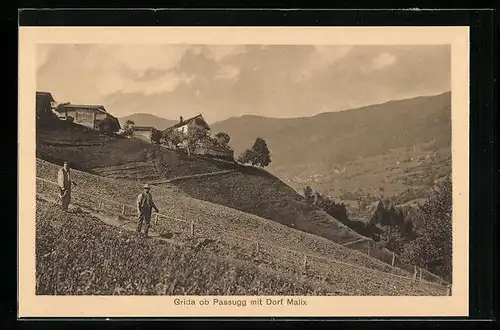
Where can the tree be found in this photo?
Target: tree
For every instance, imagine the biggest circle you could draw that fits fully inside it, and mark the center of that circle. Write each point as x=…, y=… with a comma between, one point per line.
x=128, y=128
x=197, y=136
x=174, y=137
x=156, y=136
x=60, y=106
x=222, y=139
x=391, y=239
x=433, y=247
x=259, y=154
x=109, y=125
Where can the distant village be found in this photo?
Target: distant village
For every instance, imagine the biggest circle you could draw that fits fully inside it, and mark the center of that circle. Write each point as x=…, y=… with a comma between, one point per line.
x=176, y=137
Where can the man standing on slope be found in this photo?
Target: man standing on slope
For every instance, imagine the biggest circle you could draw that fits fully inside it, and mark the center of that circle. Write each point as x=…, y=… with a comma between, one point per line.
x=64, y=182
x=145, y=205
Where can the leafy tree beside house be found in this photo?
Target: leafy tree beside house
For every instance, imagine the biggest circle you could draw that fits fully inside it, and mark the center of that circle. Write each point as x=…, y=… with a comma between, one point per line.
x=174, y=137
x=156, y=136
x=109, y=126
x=258, y=155
x=222, y=139
x=128, y=128
x=197, y=137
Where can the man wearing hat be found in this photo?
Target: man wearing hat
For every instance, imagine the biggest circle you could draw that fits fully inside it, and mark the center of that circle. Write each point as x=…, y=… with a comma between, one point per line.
x=64, y=181
x=145, y=205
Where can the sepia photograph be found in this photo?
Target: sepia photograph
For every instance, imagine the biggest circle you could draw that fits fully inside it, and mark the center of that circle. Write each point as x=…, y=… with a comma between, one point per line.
x=231, y=169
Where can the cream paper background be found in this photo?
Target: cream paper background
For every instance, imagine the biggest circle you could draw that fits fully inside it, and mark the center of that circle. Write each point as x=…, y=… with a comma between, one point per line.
x=31, y=305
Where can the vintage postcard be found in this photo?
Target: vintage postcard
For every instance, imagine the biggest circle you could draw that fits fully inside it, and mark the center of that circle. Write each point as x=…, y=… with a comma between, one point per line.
x=243, y=171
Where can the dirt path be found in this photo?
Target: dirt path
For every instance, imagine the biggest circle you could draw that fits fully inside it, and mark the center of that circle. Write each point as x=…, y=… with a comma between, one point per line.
x=190, y=176
x=115, y=221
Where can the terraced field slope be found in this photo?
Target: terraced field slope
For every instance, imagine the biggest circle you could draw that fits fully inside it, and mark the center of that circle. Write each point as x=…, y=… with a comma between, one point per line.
x=63, y=133
x=116, y=262
x=138, y=171
x=227, y=230
x=248, y=189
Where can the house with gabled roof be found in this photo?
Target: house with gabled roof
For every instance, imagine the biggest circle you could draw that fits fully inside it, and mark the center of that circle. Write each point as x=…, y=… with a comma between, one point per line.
x=88, y=115
x=185, y=125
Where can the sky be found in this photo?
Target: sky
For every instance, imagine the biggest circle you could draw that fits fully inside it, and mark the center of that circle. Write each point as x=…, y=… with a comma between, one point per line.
x=223, y=81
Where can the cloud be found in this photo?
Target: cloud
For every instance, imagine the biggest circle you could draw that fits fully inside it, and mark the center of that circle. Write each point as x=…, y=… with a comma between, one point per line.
x=330, y=54
x=320, y=58
x=227, y=73
x=383, y=60
x=223, y=81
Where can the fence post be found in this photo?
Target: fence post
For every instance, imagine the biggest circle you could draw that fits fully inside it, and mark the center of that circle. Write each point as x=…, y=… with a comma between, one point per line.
x=123, y=209
x=305, y=260
x=420, y=274
x=415, y=273
x=192, y=228
x=156, y=218
x=393, y=257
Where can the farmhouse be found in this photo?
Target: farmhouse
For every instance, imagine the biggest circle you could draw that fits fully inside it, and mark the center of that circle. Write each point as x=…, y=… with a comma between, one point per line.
x=185, y=125
x=143, y=133
x=86, y=115
x=44, y=103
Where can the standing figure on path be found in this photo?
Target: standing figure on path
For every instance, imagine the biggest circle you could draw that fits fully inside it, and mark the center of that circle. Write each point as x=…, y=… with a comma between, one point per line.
x=64, y=182
x=145, y=205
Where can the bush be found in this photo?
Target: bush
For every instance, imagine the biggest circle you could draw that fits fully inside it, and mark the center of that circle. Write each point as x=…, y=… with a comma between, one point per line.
x=432, y=249
x=222, y=139
x=173, y=137
x=109, y=126
x=156, y=136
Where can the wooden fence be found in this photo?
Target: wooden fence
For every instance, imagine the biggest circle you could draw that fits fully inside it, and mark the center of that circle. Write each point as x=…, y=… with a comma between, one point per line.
x=101, y=204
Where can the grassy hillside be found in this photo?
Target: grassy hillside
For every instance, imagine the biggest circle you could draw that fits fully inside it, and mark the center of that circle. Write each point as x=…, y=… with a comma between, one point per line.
x=258, y=192
x=247, y=189
x=58, y=132
x=85, y=147
x=210, y=219
x=116, y=262
x=114, y=256
x=147, y=119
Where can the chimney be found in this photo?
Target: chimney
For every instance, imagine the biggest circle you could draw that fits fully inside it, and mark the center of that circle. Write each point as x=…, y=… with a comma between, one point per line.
x=181, y=119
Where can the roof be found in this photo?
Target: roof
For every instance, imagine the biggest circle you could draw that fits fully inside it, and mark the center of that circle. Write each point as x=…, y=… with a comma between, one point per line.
x=143, y=128
x=85, y=106
x=45, y=94
x=187, y=121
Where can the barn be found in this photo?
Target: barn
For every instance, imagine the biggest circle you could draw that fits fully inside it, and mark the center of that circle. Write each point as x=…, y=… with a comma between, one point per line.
x=44, y=104
x=86, y=115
